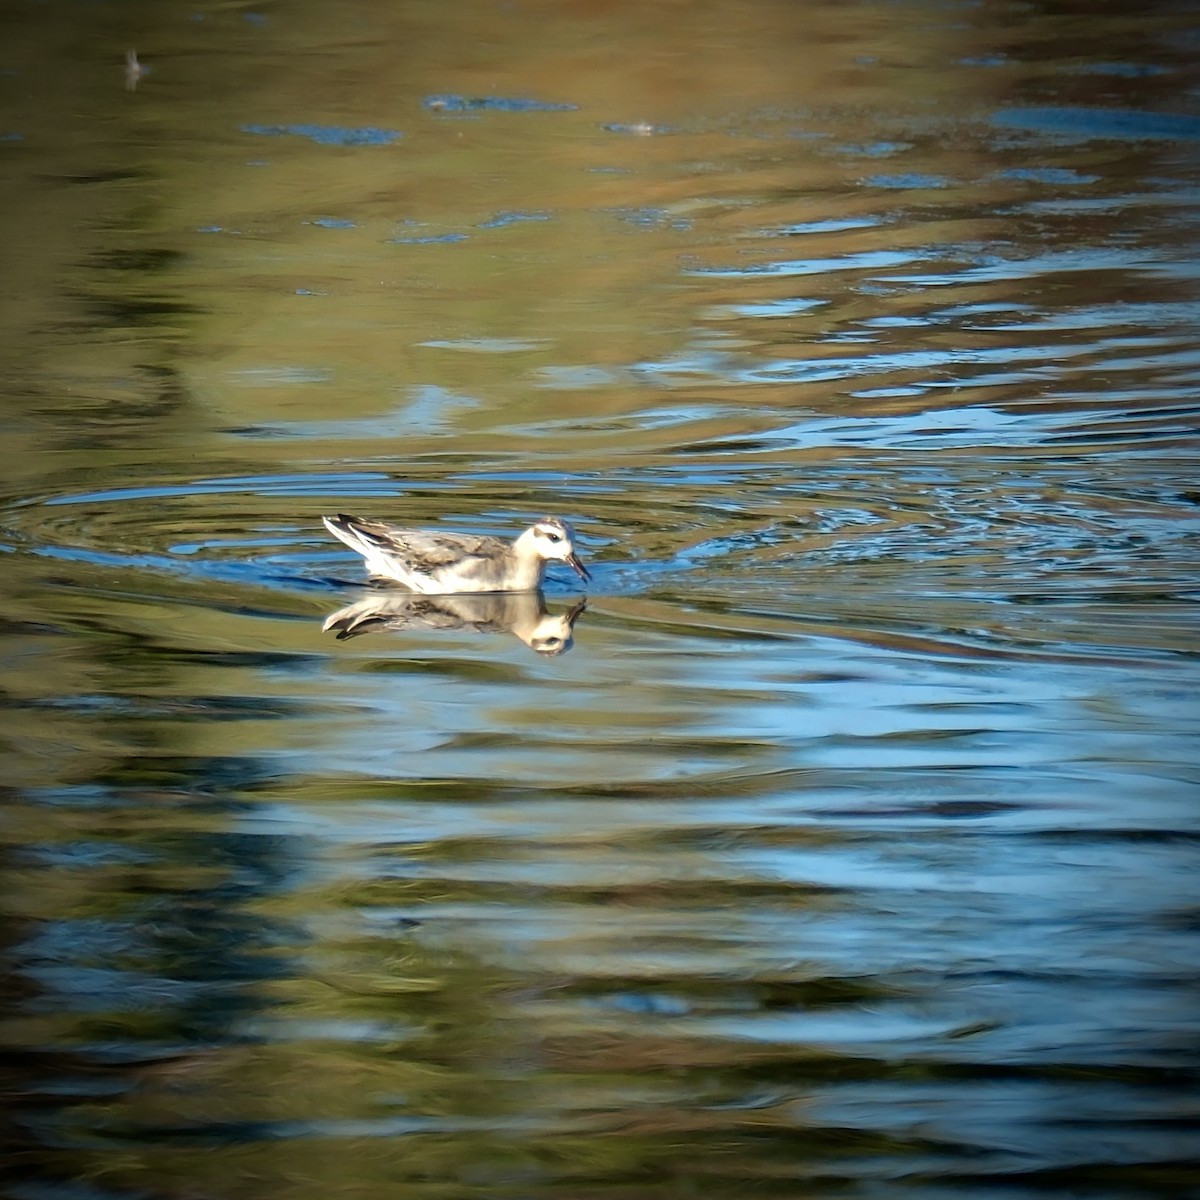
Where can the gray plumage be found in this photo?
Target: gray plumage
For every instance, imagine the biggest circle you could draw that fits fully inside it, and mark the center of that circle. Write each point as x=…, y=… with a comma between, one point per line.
x=436, y=563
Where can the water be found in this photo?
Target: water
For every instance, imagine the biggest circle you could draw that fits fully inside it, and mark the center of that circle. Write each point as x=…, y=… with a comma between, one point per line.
x=843, y=843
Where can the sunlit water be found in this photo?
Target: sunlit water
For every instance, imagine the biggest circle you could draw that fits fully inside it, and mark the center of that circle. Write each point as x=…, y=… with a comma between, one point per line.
x=843, y=842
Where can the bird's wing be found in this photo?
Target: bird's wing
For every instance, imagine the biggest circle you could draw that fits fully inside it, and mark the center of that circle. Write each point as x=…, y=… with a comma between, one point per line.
x=421, y=549
x=427, y=552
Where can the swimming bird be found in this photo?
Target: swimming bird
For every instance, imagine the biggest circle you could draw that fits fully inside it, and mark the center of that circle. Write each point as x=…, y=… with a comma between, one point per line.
x=522, y=613
x=436, y=563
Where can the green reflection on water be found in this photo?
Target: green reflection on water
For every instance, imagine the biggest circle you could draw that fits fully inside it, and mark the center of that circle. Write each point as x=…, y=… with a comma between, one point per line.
x=847, y=849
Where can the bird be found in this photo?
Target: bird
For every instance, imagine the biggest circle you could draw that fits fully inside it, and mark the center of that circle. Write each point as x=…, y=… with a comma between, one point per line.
x=436, y=563
x=522, y=613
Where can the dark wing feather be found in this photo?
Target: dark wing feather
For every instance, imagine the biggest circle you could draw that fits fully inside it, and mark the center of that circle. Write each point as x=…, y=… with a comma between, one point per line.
x=419, y=552
x=427, y=551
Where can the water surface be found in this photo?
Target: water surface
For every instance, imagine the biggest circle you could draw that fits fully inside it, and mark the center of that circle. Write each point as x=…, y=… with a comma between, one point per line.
x=844, y=842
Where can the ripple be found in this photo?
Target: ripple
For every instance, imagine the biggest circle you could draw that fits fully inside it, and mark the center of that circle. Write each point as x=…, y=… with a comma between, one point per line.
x=1114, y=123
x=329, y=135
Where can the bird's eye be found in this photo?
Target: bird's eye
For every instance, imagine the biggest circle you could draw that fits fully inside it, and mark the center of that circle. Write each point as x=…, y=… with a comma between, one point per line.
x=554, y=537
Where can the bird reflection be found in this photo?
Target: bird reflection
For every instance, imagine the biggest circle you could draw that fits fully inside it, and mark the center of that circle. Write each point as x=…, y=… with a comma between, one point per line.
x=522, y=613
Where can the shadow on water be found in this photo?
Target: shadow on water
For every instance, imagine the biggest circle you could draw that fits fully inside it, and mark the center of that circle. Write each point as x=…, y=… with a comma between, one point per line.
x=851, y=848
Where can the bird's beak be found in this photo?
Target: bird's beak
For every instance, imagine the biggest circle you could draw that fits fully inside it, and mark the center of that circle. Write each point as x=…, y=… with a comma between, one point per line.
x=580, y=569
